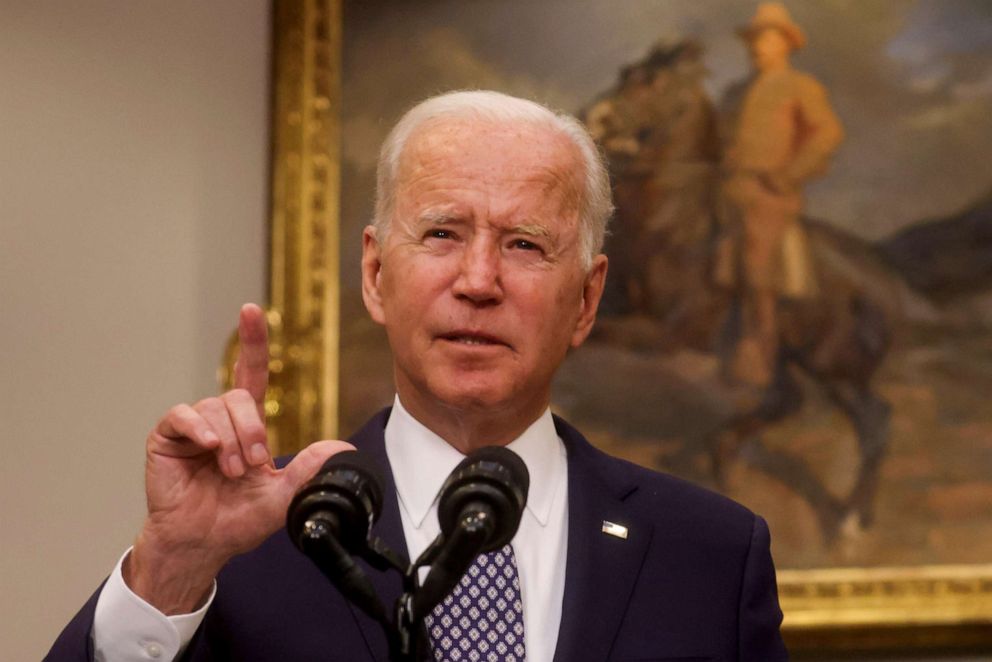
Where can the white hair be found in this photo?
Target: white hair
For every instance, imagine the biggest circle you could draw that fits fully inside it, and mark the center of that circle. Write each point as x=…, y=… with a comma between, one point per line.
x=596, y=205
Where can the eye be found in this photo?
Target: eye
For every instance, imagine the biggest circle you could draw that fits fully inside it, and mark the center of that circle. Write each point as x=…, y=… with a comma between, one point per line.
x=439, y=233
x=524, y=244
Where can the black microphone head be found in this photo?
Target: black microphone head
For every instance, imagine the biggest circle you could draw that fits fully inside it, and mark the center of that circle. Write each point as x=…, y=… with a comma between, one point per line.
x=495, y=477
x=346, y=494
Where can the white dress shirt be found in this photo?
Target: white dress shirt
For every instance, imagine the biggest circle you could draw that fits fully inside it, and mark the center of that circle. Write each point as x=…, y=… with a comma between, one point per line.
x=127, y=628
x=421, y=461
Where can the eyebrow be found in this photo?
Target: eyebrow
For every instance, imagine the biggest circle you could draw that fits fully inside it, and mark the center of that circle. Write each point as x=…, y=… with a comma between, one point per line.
x=443, y=217
x=531, y=229
x=436, y=217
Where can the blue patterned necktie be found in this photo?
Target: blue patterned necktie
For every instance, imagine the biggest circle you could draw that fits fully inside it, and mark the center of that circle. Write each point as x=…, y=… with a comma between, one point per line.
x=482, y=619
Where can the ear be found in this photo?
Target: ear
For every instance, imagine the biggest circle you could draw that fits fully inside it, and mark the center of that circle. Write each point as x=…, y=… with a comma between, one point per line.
x=371, y=271
x=592, y=292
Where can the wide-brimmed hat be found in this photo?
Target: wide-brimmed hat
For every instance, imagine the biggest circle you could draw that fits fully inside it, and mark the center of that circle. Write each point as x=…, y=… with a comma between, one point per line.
x=773, y=15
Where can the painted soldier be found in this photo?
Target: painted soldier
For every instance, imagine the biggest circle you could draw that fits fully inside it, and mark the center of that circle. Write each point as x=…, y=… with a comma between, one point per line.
x=782, y=134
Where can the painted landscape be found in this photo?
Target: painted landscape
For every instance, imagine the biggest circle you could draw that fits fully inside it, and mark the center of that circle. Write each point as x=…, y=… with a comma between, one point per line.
x=876, y=446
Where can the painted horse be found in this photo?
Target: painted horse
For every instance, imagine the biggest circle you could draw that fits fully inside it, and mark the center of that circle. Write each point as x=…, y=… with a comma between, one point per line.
x=660, y=132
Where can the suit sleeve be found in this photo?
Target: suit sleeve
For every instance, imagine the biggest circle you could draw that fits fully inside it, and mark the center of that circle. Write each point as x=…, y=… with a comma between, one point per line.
x=759, y=615
x=119, y=625
x=74, y=643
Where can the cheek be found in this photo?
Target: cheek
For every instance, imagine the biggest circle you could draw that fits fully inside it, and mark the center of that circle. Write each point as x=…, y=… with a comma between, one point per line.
x=411, y=288
x=552, y=312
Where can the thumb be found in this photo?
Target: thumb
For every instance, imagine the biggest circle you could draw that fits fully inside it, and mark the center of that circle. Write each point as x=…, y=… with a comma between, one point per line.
x=308, y=461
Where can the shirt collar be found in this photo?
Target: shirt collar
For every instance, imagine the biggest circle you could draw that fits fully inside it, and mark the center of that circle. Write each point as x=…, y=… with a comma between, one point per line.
x=421, y=461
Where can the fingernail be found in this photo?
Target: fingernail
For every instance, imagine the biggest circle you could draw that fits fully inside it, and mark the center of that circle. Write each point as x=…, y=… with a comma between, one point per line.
x=259, y=454
x=210, y=437
x=235, y=465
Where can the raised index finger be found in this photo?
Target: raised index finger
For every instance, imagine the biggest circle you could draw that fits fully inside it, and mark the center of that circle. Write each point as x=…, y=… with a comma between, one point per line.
x=251, y=372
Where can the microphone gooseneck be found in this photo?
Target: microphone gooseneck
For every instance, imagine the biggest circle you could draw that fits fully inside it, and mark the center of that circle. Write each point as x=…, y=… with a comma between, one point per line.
x=479, y=511
x=330, y=520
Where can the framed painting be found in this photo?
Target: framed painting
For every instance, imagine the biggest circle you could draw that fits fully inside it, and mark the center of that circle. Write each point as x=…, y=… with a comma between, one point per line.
x=865, y=436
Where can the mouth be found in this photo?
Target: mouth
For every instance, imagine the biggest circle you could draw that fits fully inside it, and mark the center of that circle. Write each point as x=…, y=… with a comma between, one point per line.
x=473, y=339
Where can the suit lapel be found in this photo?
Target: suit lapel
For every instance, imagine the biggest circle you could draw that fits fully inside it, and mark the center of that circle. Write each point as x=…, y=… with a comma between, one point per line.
x=601, y=570
x=388, y=585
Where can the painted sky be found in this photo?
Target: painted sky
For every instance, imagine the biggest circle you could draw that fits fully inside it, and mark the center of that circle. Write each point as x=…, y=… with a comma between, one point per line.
x=911, y=80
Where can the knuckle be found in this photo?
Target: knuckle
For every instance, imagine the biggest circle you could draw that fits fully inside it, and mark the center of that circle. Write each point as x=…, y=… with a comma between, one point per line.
x=211, y=405
x=237, y=396
x=253, y=431
x=180, y=412
x=176, y=410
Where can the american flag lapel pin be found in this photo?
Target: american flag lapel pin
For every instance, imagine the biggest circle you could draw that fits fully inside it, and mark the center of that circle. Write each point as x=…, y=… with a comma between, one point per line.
x=615, y=530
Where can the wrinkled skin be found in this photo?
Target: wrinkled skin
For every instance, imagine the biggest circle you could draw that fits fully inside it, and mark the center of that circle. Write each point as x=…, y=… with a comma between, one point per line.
x=211, y=488
x=480, y=281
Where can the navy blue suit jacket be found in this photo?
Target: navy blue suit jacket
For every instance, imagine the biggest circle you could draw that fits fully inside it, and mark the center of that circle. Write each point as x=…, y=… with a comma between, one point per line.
x=693, y=581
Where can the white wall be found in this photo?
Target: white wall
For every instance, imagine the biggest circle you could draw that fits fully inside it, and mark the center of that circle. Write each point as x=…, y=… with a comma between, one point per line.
x=133, y=157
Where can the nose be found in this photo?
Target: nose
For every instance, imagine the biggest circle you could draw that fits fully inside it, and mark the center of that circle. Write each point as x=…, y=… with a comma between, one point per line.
x=479, y=280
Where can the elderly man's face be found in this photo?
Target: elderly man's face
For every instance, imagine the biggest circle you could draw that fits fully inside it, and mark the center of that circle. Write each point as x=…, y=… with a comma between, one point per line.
x=479, y=281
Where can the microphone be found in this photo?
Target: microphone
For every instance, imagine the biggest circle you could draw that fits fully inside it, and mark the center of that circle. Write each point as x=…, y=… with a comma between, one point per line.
x=479, y=511
x=330, y=520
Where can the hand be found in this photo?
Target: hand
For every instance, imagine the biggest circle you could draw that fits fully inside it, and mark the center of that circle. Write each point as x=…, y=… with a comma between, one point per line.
x=211, y=487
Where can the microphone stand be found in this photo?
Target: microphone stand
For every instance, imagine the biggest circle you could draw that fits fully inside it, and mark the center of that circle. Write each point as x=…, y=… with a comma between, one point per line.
x=321, y=545
x=418, y=600
x=405, y=632
x=486, y=489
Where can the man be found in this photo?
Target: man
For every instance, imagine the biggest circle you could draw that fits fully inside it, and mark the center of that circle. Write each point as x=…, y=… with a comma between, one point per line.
x=484, y=267
x=783, y=134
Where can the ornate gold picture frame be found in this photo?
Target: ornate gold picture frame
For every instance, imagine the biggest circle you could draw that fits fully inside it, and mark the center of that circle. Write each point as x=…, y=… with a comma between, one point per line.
x=844, y=608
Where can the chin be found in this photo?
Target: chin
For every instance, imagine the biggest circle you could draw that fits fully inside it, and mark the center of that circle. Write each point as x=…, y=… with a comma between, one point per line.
x=471, y=399
x=465, y=394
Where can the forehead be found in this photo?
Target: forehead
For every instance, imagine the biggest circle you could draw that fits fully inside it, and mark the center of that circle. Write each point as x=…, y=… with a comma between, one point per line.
x=498, y=156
